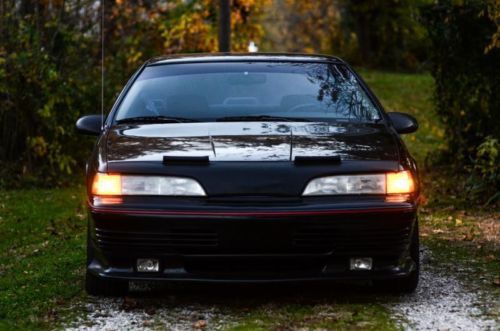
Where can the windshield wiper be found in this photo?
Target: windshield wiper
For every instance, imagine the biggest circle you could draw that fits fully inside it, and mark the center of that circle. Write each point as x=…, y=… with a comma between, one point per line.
x=252, y=118
x=156, y=119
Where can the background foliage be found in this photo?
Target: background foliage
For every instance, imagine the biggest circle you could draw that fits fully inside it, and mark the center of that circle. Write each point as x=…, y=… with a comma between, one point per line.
x=371, y=33
x=50, y=59
x=466, y=69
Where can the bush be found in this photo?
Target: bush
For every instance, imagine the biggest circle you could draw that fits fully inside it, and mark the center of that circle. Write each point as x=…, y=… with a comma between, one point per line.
x=44, y=87
x=485, y=172
x=50, y=61
x=466, y=69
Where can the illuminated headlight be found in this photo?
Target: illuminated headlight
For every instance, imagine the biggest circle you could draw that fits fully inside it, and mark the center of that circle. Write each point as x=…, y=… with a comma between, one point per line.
x=115, y=184
x=390, y=183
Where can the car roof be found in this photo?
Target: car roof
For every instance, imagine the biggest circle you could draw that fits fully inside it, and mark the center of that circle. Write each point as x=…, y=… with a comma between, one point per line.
x=222, y=57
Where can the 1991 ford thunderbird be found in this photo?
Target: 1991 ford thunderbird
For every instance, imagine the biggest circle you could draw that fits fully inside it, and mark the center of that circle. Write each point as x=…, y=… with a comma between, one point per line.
x=250, y=168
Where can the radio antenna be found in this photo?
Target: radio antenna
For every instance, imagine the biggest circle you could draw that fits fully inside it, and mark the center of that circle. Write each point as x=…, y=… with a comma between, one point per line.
x=102, y=65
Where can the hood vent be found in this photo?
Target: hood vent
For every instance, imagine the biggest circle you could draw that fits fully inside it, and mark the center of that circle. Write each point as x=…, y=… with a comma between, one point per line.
x=304, y=160
x=185, y=160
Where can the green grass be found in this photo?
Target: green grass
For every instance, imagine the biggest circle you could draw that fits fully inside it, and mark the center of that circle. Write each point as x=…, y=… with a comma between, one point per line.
x=41, y=255
x=412, y=94
x=343, y=316
x=42, y=242
x=463, y=238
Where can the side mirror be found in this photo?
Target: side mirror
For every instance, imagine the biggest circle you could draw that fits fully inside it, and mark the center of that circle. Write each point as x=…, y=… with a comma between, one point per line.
x=403, y=123
x=90, y=124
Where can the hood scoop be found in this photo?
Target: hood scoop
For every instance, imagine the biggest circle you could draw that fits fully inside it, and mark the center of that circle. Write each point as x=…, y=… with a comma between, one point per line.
x=305, y=160
x=186, y=160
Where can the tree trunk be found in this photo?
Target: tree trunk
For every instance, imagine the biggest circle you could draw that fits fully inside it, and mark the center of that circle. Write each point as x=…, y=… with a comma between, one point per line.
x=224, y=26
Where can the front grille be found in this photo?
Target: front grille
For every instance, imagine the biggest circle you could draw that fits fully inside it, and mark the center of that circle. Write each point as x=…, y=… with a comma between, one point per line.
x=173, y=238
x=343, y=235
x=342, y=239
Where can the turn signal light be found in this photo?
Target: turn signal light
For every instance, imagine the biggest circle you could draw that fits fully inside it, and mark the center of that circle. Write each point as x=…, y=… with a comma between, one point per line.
x=400, y=182
x=107, y=184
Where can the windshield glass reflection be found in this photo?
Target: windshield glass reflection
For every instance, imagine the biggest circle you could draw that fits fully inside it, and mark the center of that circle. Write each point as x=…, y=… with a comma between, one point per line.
x=210, y=91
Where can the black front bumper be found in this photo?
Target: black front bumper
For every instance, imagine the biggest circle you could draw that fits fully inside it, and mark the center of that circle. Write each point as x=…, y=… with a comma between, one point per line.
x=253, y=245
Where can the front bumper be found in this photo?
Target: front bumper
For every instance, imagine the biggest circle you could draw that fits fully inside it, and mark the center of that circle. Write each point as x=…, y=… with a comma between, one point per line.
x=310, y=242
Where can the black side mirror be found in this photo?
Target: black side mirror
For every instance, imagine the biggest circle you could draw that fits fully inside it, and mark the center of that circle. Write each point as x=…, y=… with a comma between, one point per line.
x=90, y=124
x=403, y=123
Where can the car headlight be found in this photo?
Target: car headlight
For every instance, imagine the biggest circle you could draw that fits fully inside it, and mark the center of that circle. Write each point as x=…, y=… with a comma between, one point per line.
x=115, y=184
x=390, y=183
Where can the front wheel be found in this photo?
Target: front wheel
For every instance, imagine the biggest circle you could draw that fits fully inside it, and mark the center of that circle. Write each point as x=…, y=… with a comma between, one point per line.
x=409, y=283
x=95, y=285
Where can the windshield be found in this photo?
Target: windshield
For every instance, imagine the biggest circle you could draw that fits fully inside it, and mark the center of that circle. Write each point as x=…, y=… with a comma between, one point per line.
x=247, y=91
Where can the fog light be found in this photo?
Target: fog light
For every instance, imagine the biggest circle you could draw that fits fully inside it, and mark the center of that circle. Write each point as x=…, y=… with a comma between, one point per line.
x=148, y=265
x=361, y=263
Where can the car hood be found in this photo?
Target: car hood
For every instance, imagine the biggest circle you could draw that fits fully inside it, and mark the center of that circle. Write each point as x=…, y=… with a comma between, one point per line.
x=250, y=141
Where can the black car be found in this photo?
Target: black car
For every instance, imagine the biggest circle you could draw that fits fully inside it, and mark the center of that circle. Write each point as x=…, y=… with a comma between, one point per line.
x=250, y=168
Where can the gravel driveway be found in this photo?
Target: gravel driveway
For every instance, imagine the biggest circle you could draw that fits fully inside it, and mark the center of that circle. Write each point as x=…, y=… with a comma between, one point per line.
x=442, y=302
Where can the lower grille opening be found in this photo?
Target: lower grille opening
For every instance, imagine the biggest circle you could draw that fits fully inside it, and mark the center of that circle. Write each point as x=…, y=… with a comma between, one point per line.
x=142, y=240
x=255, y=267
x=364, y=240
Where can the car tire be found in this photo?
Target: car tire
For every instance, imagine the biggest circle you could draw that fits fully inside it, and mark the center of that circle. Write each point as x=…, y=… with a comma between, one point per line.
x=409, y=283
x=98, y=286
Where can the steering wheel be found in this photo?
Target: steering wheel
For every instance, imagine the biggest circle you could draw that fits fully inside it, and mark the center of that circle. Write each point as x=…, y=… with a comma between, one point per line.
x=302, y=105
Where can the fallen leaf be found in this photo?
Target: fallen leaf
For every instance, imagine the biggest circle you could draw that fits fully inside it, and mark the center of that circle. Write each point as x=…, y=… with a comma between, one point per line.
x=200, y=324
x=150, y=310
x=51, y=315
x=490, y=257
x=128, y=303
x=468, y=237
x=147, y=323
